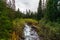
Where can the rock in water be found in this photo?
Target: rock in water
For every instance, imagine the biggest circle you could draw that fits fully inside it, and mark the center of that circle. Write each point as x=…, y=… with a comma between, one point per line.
x=30, y=33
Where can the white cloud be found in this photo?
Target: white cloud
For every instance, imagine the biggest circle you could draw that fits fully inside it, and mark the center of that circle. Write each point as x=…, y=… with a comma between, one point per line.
x=27, y=4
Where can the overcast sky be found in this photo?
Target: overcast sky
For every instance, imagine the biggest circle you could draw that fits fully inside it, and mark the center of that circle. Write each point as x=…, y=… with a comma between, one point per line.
x=27, y=4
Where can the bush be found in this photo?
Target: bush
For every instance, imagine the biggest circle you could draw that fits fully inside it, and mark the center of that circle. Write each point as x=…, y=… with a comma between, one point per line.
x=49, y=30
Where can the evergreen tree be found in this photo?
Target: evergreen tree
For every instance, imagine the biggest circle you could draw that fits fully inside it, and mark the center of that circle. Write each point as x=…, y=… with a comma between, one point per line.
x=39, y=13
x=52, y=12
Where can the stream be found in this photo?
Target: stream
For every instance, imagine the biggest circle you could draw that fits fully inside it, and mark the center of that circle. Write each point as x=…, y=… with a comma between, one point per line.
x=30, y=33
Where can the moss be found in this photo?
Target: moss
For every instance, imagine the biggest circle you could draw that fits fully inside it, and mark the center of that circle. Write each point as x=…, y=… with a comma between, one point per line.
x=18, y=25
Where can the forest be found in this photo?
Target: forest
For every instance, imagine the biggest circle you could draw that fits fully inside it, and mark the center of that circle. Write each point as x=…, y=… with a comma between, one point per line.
x=47, y=21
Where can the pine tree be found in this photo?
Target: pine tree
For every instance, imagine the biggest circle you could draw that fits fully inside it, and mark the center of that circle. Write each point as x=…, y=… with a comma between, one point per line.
x=52, y=11
x=11, y=4
x=39, y=13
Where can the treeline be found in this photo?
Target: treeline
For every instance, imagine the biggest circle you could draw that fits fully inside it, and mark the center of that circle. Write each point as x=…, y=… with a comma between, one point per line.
x=51, y=12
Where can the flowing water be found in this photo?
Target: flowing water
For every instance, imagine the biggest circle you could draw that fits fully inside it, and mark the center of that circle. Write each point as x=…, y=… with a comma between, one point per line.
x=30, y=33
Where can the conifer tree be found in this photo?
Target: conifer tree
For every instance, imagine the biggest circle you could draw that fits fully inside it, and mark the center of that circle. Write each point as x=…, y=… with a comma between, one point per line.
x=39, y=13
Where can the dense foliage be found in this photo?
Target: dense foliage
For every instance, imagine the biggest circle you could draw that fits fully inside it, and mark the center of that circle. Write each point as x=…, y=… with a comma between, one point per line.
x=48, y=22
